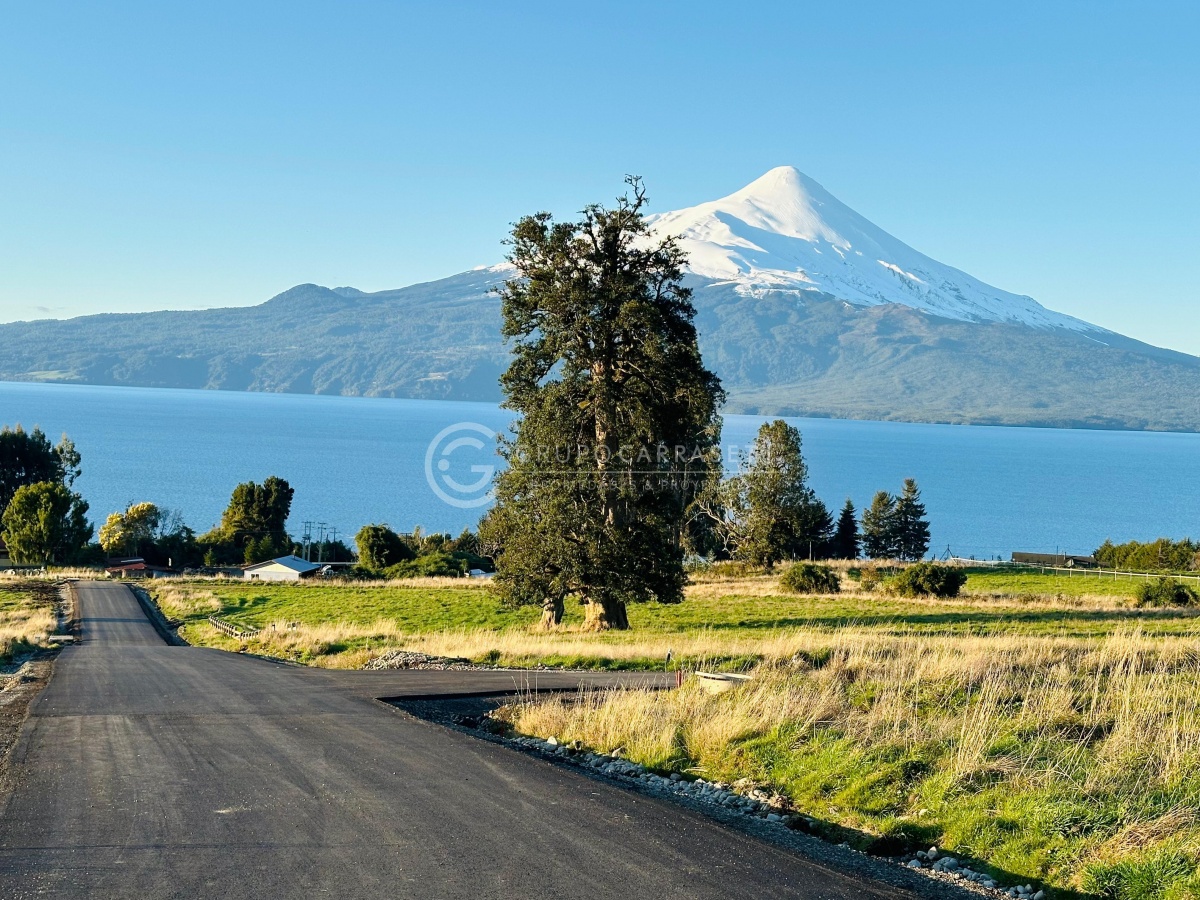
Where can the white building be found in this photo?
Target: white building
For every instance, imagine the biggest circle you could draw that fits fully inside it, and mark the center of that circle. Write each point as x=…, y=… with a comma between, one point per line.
x=286, y=568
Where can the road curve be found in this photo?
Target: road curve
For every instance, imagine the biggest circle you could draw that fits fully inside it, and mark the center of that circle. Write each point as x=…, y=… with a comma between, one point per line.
x=153, y=771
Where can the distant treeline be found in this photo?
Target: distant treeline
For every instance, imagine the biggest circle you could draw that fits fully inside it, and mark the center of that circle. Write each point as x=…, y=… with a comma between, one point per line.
x=1163, y=555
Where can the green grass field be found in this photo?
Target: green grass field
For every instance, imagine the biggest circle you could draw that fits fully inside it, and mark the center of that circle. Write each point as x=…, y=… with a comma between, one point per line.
x=1082, y=583
x=723, y=622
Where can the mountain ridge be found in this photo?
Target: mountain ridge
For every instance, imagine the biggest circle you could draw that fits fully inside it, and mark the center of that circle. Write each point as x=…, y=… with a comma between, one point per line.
x=791, y=324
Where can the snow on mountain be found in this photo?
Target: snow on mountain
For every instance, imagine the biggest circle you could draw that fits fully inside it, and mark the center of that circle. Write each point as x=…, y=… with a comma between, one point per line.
x=784, y=232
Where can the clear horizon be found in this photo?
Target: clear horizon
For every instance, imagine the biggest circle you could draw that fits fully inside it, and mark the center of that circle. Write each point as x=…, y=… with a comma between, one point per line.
x=155, y=158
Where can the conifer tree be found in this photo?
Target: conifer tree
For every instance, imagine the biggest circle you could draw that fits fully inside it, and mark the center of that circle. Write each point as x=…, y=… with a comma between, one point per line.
x=845, y=536
x=911, y=527
x=771, y=511
x=879, y=527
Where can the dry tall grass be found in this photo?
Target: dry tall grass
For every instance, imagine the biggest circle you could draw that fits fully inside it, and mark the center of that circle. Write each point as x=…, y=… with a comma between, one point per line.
x=1136, y=692
x=1109, y=726
x=26, y=621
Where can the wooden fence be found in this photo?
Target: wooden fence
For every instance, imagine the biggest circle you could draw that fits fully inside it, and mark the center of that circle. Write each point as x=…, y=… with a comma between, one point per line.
x=231, y=630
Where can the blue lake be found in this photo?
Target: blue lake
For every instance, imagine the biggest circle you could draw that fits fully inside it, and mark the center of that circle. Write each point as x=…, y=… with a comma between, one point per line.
x=351, y=460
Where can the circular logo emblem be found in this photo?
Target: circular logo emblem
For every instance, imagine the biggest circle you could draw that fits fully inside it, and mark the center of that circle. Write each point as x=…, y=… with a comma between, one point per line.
x=455, y=455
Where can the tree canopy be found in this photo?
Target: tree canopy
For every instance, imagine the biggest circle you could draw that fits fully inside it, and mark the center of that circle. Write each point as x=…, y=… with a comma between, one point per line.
x=379, y=548
x=772, y=513
x=845, y=543
x=151, y=532
x=618, y=422
x=28, y=457
x=879, y=527
x=253, y=526
x=45, y=523
x=912, y=528
x=896, y=527
x=1162, y=555
x=124, y=533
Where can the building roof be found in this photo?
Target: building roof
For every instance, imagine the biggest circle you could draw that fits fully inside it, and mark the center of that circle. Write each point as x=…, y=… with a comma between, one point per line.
x=295, y=563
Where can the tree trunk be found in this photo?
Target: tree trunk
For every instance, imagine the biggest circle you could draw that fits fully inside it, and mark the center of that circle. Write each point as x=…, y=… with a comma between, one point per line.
x=599, y=616
x=552, y=612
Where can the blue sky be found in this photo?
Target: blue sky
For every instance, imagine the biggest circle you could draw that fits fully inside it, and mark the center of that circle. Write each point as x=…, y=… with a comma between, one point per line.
x=190, y=155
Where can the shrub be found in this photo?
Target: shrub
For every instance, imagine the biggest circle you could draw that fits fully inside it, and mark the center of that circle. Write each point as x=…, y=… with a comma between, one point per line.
x=809, y=578
x=431, y=565
x=733, y=568
x=869, y=577
x=1165, y=592
x=929, y=580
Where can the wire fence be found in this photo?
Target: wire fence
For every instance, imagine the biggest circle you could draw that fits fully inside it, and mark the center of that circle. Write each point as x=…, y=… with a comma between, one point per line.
x=1069, y=571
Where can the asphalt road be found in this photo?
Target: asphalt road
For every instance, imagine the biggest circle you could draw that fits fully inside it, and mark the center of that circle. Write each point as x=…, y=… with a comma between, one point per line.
x=152, y=771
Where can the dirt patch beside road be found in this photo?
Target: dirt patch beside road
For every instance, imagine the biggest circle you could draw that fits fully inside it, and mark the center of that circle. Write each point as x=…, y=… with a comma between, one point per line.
x=20, y=683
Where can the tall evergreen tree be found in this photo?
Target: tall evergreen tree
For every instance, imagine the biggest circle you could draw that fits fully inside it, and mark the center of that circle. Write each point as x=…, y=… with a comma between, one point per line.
x=618, y=421
x=879, y=527
x=911, y=526
x=845, y=535
x=771, y=511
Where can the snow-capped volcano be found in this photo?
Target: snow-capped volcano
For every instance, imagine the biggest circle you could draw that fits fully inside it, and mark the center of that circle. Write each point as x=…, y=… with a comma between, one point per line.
x=784, y=232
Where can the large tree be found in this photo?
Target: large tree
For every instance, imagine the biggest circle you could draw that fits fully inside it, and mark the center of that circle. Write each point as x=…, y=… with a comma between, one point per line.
x=771, y=512
x=252, y=527
x=618, y=415
x=912, y=528
x=128, y=532
x=379, y=548
x=28, y=457
x=879, y=527
x=158, y=535
x=45, y=523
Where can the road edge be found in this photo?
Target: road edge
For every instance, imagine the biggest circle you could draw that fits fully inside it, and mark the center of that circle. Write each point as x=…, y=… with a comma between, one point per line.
x=879, y=873
x=170, y=637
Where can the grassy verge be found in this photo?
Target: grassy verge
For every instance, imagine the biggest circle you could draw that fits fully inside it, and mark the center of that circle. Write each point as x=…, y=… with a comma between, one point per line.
x=27, y=616
x=1071, y=761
